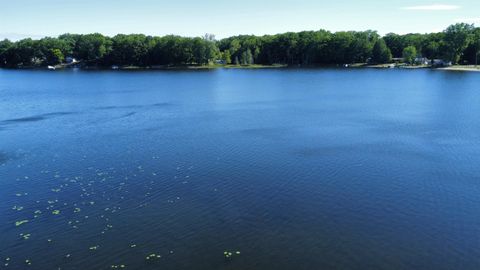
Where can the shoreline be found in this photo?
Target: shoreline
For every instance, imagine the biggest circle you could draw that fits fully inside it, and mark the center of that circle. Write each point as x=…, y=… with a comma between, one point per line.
x=463, y=68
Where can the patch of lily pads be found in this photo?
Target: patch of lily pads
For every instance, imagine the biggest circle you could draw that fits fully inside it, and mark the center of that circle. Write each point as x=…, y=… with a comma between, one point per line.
x=230, y=254
x=153, y=256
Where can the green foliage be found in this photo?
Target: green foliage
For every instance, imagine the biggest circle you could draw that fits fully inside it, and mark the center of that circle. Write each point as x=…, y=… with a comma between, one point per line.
x=472, y=52
x=55, y=56
x=381, y=53
x=457, y=39
x=129, y=50
x=93, y=47
x=409, y=54
x=247, y=58
x=226, y=57
x=5, y=49
x=460, y=42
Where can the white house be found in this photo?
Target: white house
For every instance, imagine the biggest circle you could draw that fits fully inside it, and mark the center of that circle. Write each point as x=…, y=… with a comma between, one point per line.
x=70, y=60
x=422, y=61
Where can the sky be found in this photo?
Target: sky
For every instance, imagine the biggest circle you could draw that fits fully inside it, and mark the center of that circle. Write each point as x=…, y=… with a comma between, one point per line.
x=38, y=18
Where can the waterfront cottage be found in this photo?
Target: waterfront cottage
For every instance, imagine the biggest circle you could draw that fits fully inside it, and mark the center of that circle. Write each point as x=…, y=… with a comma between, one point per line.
x=70, y=60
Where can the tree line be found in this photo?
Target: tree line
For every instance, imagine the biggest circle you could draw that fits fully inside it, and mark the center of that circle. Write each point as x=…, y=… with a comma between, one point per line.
x=459, y=43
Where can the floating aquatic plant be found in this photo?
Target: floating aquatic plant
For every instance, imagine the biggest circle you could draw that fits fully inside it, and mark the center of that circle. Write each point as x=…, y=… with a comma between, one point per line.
x=25, y=236
x=56, y=212
x=18, y=208
x=21, y=222
x=229, y=254
x=153, y=256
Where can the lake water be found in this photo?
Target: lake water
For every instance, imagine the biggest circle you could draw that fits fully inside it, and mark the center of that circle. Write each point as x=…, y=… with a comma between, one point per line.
x=295, y=169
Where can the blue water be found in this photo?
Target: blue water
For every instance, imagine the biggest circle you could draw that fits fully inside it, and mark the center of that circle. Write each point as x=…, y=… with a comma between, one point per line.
x=296, y=169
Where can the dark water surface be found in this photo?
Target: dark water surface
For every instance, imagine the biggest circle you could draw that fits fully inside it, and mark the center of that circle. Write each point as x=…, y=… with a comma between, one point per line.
x=296, y=169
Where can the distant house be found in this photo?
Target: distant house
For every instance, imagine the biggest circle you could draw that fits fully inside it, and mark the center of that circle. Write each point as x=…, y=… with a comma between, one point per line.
x=220, y=62
x=422, y=61
x=397, y=60
x=36, y=61
x=70, y=60
x=441, y=63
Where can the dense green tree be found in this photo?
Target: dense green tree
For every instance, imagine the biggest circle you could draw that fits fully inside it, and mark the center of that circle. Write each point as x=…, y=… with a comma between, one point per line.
x=52, y=51
x=471, y=53
x=457, y=39
x=476, y=44
x=93, y=47
x=459, y=42
x=381, y=53
x=5, y=49
x=361, y=47
x=338, y=48
x=71, y=41
x=247, y=57
x=24, y=53
x=204, y=50
x=432, y=45
x=54, y=57
x=226, y=57
x=172, y=50
x=409, y=54
x=395, y=43
x=129, y=50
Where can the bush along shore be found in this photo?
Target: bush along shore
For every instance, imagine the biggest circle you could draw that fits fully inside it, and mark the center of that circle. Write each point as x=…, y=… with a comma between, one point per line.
x=456, y=48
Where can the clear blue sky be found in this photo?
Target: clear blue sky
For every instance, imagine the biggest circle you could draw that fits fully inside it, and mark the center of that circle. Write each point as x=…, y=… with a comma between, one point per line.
x=20, y=18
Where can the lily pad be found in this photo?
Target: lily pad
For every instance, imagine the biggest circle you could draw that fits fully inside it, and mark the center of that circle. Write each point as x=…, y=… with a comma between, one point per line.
x=21, y=222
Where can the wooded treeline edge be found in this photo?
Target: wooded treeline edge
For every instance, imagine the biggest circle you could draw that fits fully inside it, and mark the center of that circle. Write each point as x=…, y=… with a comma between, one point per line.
x=458, y=44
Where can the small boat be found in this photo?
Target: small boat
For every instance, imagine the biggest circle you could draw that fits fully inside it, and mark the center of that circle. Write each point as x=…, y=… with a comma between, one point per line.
x=115, y=67
x=51, y=67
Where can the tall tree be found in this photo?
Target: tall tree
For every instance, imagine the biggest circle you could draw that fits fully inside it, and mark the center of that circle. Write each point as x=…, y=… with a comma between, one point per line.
x=381, y=53
x=93, y=47
x=5, y=48
x=409, y=54
x=457, y=38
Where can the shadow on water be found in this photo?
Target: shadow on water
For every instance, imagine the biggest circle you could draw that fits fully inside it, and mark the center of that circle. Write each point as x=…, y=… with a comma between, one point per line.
x=3, y=158
x=35, y=118
x=366, y=149
x=265, y=133
x=166, y=104
x=128, y=115
x=105, y=108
